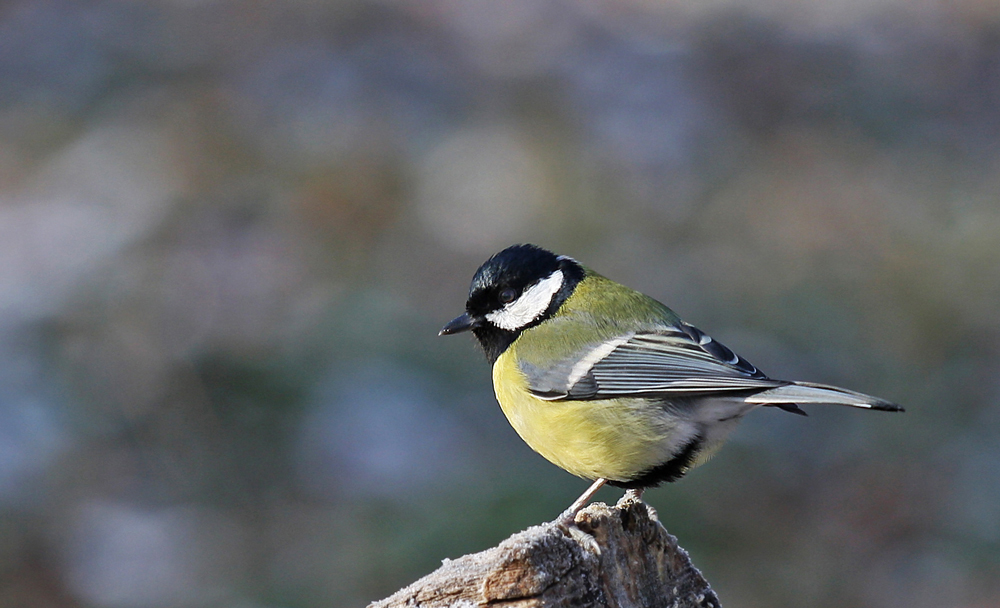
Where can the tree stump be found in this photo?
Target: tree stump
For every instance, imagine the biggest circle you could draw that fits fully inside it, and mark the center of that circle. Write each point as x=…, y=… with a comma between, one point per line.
x=614, y=557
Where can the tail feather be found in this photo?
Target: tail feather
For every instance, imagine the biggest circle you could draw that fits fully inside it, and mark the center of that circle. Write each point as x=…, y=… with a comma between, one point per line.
x=801, y=393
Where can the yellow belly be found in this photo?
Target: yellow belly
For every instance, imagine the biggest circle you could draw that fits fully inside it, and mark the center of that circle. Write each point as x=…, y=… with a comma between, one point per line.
x=591, y=439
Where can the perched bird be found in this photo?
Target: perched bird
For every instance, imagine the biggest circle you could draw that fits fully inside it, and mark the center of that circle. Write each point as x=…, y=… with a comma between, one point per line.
x=608, y=383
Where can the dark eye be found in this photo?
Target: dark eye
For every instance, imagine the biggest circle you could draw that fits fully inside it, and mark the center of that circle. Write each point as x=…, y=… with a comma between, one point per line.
x=507, y=295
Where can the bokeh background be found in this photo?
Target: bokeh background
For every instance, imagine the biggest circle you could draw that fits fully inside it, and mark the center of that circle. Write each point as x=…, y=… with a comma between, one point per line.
x=229, y=233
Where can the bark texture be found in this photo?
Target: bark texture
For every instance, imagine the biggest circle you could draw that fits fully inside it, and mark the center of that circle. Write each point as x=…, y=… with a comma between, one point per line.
x=614, y=557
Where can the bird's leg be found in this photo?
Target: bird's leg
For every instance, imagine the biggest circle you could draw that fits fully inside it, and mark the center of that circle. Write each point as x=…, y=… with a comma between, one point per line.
x=569, y=515
x=633, y=495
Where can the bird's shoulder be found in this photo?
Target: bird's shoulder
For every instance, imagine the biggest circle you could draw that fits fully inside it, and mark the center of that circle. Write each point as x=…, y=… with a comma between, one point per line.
x=598, y=311
x=608, y=340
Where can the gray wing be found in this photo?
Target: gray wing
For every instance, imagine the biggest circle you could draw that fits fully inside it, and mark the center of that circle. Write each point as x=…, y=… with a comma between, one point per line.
x=676, y=361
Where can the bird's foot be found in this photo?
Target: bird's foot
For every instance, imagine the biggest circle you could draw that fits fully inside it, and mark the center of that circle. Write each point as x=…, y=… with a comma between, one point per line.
x=568, y=517
x=631, y=497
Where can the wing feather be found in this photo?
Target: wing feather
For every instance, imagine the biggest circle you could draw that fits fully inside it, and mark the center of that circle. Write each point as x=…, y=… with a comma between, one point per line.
x=678, y=360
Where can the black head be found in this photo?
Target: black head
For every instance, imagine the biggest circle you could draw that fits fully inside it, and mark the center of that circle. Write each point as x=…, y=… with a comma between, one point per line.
x=515, y=289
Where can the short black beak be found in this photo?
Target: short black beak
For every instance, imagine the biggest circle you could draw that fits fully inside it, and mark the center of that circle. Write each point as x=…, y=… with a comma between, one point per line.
x=463, y=322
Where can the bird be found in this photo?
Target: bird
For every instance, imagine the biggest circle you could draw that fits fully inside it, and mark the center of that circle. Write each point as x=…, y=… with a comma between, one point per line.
x=608, y=383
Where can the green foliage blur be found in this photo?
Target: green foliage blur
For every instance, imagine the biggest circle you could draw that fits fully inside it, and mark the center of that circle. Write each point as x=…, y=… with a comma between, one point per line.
x=229, y=233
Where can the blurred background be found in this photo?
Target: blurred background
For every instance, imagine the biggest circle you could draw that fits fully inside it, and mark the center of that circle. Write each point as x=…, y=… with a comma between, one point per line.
x=230, y=231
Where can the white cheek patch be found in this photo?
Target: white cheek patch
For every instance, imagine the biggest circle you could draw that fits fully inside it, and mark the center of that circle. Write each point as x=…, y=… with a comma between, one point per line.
x=533, y=302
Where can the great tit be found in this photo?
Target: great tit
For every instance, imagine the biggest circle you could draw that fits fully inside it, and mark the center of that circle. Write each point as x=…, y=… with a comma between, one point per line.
x=608, y=383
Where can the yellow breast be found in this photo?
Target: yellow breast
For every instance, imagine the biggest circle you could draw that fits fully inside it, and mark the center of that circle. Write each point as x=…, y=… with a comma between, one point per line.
x=612, y=439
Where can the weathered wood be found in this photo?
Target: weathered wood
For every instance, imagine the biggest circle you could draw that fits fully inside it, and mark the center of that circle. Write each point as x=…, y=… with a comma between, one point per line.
x=614, y=557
